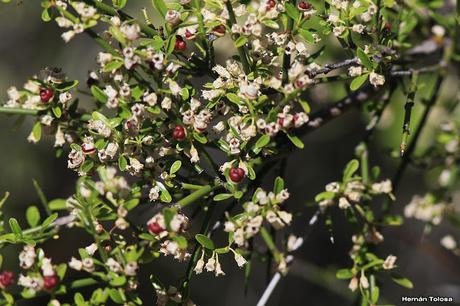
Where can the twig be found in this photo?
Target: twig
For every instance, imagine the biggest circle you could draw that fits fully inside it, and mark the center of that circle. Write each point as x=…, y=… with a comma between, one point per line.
x=276, y=278
x=241, y=50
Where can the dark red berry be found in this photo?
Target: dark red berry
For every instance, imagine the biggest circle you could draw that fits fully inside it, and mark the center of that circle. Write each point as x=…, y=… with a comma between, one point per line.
x=189, y=35
x=6, y=279
x=388, y=27
x=219, y=30
x=304, y=5
x=46, y=94
x=49, y=282
x=155, y=228
x=178, y=132
x=237, y=174
x=180, y=43
x=270, y=4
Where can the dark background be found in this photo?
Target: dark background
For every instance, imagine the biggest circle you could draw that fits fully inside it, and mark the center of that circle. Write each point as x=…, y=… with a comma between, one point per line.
x=27, y=45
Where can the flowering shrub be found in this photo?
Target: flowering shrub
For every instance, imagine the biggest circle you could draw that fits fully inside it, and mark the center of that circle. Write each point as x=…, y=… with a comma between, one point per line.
x=168, y=104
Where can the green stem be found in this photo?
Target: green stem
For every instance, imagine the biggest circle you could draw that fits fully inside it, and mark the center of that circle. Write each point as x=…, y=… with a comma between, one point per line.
x=196, y=195
x=241, y=50
x=270, y=243
x=18, y=111
x=196, y=252
x=109, y=10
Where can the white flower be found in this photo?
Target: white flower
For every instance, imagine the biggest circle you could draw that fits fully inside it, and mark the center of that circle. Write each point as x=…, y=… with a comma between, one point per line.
x=211, y=264
x=67, y=36
x=364, y=281
x=358, y=28
x=240, y=260
x=91, y=249
x=154, y=193
x=389, y=262
x=88, y=264
x=63, y=22
x=382, y=187
x=166, y=103
x=353, y=285
x=338, y=30
x=294, y=243
x=172, y=17
x=343, y=203
x=130, y=31
x=376, y=79
x=131, y=268
x=199, y=265
x=355, y=71
x=438, y=30
x=150, y=98
x=218, y=271
x=449, y=242
x=75, y=264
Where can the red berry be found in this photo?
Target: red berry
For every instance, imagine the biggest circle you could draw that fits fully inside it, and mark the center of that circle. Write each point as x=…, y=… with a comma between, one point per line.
x=180, y=43
x=219, y=30
x=304, y=5
x=189, y=35
x=46, y=94
x=388, y=27
x=237, y=174
x=270, y=4
x=49, y=282
x=155, y=228
x=6, y=279
x=178, y=132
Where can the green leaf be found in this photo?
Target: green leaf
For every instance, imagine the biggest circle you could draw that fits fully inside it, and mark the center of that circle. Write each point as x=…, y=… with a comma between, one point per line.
x=37, y=131
x=66, y=86
x=49, y=220
x=57, y=204
x=15, y=227
x=87, y=166
x=200, y=137
x=119, y=3
x=170, y=44
x=113, y=65
x=161, y=7
x=292, y=11
x=307, y=35
x=181, y=241
x=222, y=197
x=168, y=214
x=175, y=167
x=234, y=98
x=46, y=15
x=205, y=241
x=99, y=94
x=279, y=185
x=33, y=216
x=262, y=141
x=118, y=281
x=364, y=59
x=271, y=24
x=165, y=196
x=402, y=281
x=296, y=141
x=57, y=111
x=79, y=299
x=116, y=296
x=358, y=81
x=240, y=41
x=344, y=274
x=122, y=163
x=350, y=169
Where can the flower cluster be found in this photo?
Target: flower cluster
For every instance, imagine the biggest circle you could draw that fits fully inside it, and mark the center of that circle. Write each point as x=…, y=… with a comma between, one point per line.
x=195, y=106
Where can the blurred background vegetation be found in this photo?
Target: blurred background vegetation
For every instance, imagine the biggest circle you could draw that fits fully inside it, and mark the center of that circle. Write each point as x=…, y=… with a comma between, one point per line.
x=27, y=45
